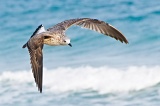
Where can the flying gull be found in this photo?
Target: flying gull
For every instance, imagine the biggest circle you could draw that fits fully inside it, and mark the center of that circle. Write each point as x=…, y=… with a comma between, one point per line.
x=55, y=36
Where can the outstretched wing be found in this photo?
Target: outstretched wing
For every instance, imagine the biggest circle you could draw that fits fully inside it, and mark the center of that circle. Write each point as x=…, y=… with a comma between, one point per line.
x=35, y=46
x=92, y=24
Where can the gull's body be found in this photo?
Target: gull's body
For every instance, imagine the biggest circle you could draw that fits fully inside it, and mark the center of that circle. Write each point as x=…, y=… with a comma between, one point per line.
x=55, y=36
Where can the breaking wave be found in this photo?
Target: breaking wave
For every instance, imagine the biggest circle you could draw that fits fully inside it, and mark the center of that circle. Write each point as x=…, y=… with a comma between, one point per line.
x=101, y=79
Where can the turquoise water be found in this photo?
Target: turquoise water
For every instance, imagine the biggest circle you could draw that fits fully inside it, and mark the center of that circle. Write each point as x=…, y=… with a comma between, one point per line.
x=97, y=70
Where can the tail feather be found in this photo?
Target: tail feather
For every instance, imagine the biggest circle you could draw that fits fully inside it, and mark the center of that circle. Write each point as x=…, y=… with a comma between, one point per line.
x=25, y=45
x=34, y=33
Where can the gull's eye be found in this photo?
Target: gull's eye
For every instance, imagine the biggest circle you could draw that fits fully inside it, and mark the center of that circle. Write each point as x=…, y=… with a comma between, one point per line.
x=64, y=41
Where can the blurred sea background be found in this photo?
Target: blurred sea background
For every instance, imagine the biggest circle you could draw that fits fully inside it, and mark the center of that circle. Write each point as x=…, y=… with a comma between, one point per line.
x=97, y=70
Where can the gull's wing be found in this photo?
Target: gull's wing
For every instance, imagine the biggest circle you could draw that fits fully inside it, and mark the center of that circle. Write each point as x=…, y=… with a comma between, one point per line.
x=66, y=24
x=92, y=24
x=35, y=46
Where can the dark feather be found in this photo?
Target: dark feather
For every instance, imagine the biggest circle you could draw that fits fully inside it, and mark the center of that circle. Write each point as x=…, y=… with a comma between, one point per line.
x=36, y=57
x=35, y=32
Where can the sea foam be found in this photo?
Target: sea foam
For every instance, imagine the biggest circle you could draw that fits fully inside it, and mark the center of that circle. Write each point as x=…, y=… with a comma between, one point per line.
x=100, y=79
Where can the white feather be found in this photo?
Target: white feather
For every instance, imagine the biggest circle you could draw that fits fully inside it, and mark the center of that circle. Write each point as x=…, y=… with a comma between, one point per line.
x=67, y=41
x=42, y=29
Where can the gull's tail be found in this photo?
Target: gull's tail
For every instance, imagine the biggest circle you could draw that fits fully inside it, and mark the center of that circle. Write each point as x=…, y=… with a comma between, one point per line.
x=39, y=29
x=24, y=46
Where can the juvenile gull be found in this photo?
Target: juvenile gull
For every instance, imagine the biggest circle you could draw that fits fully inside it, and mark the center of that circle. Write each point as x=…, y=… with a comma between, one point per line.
x=55, y=36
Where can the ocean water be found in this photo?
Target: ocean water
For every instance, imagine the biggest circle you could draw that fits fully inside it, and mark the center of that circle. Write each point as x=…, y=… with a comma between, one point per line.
x=97, y=70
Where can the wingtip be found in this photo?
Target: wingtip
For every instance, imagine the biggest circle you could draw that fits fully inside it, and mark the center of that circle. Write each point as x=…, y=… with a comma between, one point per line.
x=40, y=90
x=126, y=42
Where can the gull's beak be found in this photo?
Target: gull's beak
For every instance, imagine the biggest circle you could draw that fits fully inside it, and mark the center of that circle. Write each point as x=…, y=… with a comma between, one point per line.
x=70, y=44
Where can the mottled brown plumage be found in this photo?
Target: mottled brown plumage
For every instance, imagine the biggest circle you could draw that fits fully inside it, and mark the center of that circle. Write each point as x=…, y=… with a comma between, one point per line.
x=56, y=36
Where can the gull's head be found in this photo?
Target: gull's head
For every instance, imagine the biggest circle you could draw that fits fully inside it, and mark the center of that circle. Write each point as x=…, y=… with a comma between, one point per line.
x=67, y=41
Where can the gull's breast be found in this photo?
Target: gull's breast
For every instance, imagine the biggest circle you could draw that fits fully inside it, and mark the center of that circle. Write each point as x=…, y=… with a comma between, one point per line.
x=53, y=41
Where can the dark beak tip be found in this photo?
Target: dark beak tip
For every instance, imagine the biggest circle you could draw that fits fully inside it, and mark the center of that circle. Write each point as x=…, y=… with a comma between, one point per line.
x=70, y=45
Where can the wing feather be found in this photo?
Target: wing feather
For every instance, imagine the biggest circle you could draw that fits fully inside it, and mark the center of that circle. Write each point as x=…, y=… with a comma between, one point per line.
x=92, y=24
x=35, y=46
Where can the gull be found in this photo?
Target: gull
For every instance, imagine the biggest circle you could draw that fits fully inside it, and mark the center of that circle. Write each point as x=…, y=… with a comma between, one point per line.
x=55, y=36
